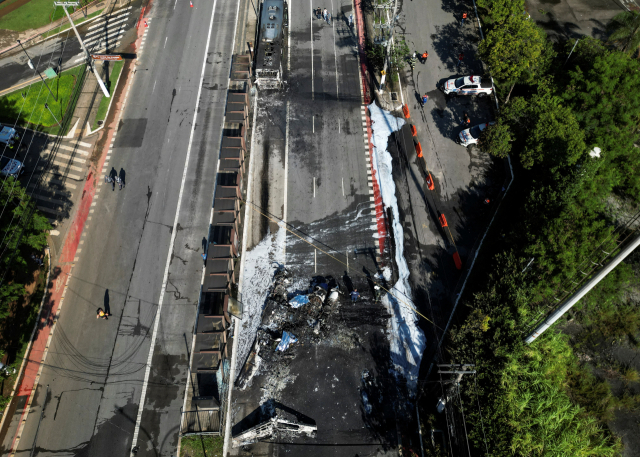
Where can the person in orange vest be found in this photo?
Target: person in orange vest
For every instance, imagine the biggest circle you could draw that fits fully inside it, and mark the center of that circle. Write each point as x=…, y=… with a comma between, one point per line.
x=425, y=54
x=464, y=16
x=466, y=119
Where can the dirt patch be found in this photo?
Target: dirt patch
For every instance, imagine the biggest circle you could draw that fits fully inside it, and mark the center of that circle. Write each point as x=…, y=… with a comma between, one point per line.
x=14, y=6
x=8, y=38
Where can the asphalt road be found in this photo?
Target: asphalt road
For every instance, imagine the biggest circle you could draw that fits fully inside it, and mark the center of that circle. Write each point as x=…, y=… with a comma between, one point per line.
x=95, y=368
x=64, y=51
x=317, y=179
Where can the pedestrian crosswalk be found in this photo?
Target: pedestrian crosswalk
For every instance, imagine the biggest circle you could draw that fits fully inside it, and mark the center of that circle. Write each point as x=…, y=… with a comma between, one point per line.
x=60, y=171
x=105, y=33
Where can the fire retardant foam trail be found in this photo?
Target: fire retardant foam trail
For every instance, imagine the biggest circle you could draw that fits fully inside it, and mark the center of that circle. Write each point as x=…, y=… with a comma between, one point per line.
x=407, y=339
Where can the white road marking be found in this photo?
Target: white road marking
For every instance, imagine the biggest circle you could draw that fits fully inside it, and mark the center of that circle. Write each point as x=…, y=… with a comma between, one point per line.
x=105, y=18
x=174, y=232
x=165, y=41
x=81, y=143
x=338, y=125
x=315, y=260
x=311, y=22
x=335, y=55
x=286, y=183
x=60, y=155
x=71, y=148
x=314, y=187
x=313, y=121
x=154, y=86
x=289, y=39
x=111, y=25
x=343, y=187
x=174, y=5
x=66, y=165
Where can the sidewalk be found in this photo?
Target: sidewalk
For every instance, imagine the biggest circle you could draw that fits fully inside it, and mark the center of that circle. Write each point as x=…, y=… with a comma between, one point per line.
x=34, y=36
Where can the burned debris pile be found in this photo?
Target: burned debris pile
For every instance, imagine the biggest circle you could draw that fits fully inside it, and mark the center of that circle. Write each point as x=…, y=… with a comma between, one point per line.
x=310, y=317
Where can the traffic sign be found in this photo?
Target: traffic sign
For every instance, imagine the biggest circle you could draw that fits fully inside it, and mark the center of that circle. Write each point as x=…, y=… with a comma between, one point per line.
x=106, y=57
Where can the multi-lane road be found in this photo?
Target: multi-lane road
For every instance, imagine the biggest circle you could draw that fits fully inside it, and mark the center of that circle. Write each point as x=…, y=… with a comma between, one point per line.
x=141, y=251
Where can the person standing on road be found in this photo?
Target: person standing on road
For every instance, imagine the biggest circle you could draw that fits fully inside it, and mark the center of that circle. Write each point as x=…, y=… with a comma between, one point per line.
x=464, y=16
x=425, y=99
x=425, y=54
x=460, y=57
x=120, y=182
x=109, y=179
x=465, y=119
x=324, y=14
x=328, y=18
x=351, y=20
x=355, y=295
x=102, y=314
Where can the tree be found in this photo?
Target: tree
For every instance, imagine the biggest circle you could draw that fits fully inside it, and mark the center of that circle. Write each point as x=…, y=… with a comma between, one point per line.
x=625, y=31
x=500, y=10
x=496, y=139
x=517, y=50
x=23, y=231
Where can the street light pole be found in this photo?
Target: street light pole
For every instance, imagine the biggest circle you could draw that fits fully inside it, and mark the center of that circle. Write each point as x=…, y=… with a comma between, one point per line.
x=34, y=67
x=73, y=26
x=386, y=60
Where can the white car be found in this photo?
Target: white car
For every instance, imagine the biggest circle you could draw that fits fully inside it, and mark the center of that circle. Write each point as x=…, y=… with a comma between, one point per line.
x=468, y=85
x=471, y=135
x=10, y=167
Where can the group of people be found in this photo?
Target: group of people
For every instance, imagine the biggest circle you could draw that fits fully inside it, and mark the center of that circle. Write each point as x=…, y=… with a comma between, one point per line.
x=113, y=180
x=326, y=15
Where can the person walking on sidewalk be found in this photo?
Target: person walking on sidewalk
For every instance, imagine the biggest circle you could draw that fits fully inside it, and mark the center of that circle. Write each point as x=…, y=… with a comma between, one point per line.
x=464, y=16
x=460, y=57
x=102, y=314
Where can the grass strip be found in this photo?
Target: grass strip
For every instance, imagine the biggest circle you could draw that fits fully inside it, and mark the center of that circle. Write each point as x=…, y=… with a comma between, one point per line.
x=29, y=102
x=104, y=102
x=32, y=15
x=201, y=446
x=68, y=26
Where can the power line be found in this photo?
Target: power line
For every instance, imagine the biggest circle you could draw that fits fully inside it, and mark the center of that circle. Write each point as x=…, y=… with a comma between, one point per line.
x=464, y=422
x=484, y=437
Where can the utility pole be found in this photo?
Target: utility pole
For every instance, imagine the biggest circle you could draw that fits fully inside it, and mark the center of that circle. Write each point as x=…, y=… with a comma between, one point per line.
x=89, y=59
x=548, y=322
x=38, y=71
x=392, y=27
x=459, y=370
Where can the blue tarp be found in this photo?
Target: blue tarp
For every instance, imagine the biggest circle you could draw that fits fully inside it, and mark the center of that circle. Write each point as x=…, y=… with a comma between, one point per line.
x=287, y=339
x=298, y=301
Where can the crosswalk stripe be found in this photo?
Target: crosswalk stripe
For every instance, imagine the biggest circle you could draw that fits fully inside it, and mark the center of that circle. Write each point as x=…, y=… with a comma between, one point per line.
x=81, y=143
x=43, y=198
x=105, y=18
x=60, y=155
x=55, y=182
x=67, y=165
x=73, y=149
x=119, y=23
x=103, y=39
x=67, y=175
x=44, y=209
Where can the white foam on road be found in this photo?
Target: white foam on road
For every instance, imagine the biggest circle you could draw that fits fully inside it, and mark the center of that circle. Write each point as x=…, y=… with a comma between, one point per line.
x=406, y=338
x=259, y=266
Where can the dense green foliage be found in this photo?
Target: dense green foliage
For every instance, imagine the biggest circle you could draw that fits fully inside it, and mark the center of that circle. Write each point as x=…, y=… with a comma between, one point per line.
x=23, y=232
x=625, y=31
x=539, y=399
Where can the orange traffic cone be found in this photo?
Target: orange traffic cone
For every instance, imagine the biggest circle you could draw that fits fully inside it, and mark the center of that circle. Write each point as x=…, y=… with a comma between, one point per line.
x=145, y=24
x=191, y=3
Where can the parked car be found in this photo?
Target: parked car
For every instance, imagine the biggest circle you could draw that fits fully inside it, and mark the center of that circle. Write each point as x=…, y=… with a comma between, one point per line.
x=10, y=167
x=468, y=85
x=471, y=135
x=8, y=136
